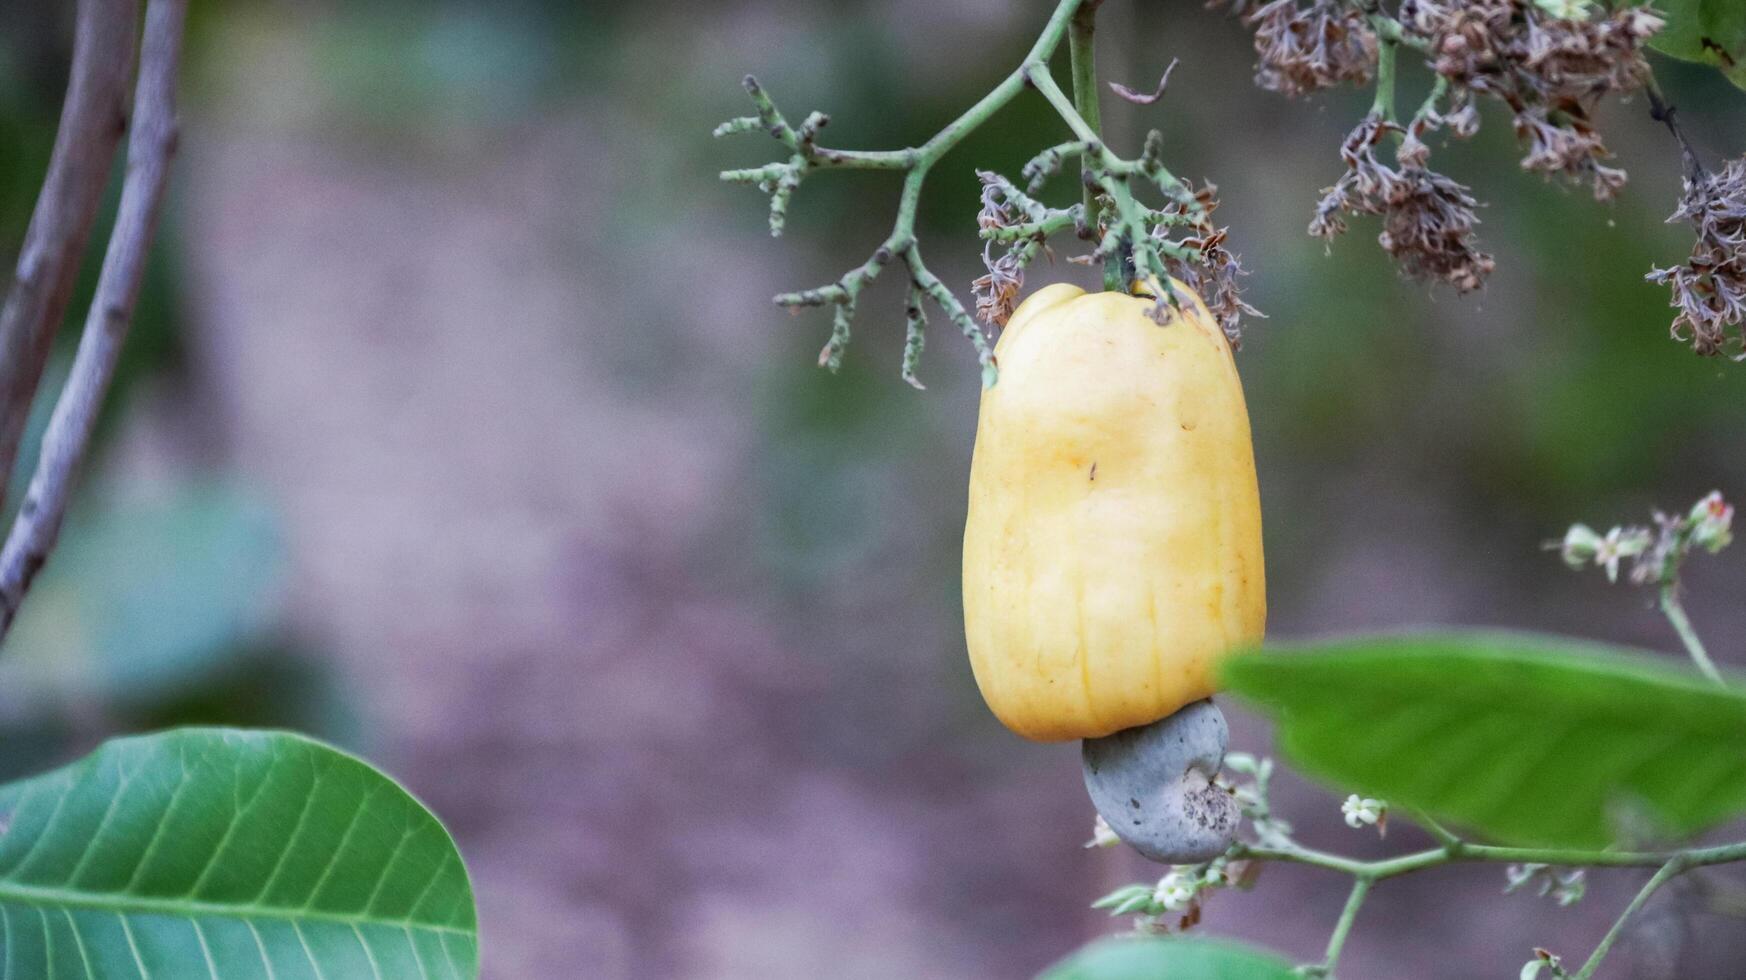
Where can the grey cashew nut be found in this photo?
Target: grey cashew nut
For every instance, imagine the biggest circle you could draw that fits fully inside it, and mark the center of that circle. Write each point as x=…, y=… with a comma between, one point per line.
x=1154, y=785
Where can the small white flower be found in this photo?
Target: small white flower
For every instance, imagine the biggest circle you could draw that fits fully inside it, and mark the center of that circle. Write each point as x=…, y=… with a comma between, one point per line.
x=1620, y=543
x=1712, y=521
x=1360, y=811
x=1101, y=834
x=1175, y=891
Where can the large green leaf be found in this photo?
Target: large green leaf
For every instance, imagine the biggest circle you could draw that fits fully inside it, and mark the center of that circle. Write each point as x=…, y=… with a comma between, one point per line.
x=1168, y=958
x=227, y=854
x=1709, y=31
x=1530, y=739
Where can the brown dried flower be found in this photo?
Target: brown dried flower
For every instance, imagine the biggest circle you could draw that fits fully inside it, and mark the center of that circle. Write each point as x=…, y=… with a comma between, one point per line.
x=1573, y=149
x=1427, y=218
x=1210, y=269
x=998, y=208
x=1428, y=228
x=1003, y=206
x=997, y=292
x=1709, y=290
x=1300, y=49
x=1551, y=71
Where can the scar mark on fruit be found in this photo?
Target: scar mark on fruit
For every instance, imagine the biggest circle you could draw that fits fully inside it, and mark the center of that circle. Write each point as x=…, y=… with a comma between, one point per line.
x=1094, y=470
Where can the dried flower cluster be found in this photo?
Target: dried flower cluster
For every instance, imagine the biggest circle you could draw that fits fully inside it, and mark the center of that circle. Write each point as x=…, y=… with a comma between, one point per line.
x=1550, y=66
x=1709, y=290
x=1177, y=240
x=1003, y=206
x=1427, y=218
x=1550, y=62
x=1301, y=49
x=1201, y=260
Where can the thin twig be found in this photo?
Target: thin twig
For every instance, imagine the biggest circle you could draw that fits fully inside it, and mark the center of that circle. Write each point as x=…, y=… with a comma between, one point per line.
x=1668, y=115
x=1674, y=610
x=1442, y=834
x=1343, y=927
x=93, y=118
x=1673, y=867
x=149, y=149
x=1383, y=105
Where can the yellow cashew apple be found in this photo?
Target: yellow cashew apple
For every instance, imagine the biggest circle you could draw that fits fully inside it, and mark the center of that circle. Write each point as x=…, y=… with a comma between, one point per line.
x=1112, y=551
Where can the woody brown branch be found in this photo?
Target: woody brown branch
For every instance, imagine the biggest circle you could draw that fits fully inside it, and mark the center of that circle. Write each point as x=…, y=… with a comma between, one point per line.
x=93, y=117
x=151, y=146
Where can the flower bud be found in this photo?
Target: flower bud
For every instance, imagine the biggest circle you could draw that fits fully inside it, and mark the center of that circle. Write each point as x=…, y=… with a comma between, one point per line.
x=1580, y=545
x=1101, y=834
x=1712, y=520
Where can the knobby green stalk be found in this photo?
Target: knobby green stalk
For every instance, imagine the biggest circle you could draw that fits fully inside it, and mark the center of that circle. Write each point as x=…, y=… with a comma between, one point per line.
x=1110, y=214
x=781, y=179
x=1126, y=231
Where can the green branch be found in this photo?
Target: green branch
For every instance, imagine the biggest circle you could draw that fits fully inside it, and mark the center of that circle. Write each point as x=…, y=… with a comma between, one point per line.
x=1463, y=851
x=1674, y=866
x=1390, y=31
x=1439, y=89
x=1082, y=51
x=782, y=178
x=1383, y=105
x=1674, y=610
x=1453, y=850
x=1126, y=232
x=1055, y=221
x=1342, y=928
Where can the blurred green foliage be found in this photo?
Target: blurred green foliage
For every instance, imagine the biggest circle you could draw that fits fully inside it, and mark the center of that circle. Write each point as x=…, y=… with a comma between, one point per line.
x=1175, y=957
x=1710, y=32
x=142, y=600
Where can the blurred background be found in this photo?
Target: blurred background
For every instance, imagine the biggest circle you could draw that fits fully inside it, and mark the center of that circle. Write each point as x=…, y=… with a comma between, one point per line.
x=457, y=427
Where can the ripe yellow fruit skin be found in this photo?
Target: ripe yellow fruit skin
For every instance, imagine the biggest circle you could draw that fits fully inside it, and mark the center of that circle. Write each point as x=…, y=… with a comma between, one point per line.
x=1112, y=551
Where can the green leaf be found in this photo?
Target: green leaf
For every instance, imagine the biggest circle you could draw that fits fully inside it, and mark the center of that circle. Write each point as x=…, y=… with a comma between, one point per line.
x=228, y=853
x=1712, y=32
x=1531, y=739
x=1173, y=957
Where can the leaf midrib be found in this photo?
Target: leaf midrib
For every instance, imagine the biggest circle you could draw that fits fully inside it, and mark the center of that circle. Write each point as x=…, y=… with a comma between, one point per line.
x=39, y=895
